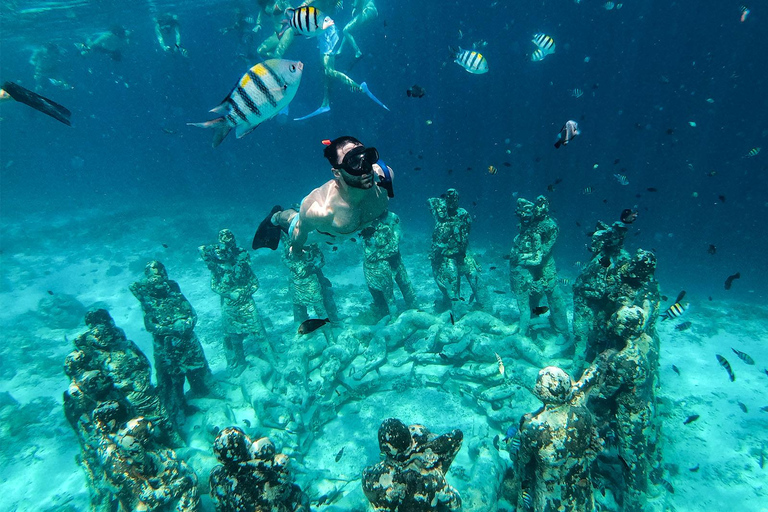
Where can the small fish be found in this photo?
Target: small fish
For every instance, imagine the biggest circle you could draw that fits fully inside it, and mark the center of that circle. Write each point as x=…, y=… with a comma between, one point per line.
x=545, y=43
x=608, y=5
x=564, y=281
x=730, y=279
x=539, y=310
x=165, y=246
x=674, y=311
x=744, y=13
x=527, y=501
x=322, y=499
x=712, y=249
x=668, y=486
x=577, y=93
x=694, y=469
x=472, y=61
x=753, y=152
x=725, y=364
x=500, y=292
x=742, y=407
x=680, y=296
x=339, y=455
x=652, y=189
x=50, y=292
x=567, y=133
x=262, y=92
x=247, y=423
x=537, y=55
x=511, y=431
x=625, y=463
x=453, y=320
x=628, y=216
x=501, y=364
x=676, y=369
x=743, y=356
x=496, y=442
x=312, y=324
x=442, y=356
x=334, y=248
x=764, y=409
x=507, y=164
x=416, y=91
x=492, y=268
x=622, y=179
x=417, y=168
x=721, y=197
x=683, y=326
x=492, y=169
x=587, y=191
x=712, y=173
x=691, y=419
x=307, y=21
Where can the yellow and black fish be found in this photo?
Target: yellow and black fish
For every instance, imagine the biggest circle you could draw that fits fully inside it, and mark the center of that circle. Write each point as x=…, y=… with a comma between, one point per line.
x=674, y=311
x=725, y=364
x=306, y=20
x=261, y=93
x=743, y=356
x=538, y=55
x=492, y=169
x=545, y=43
x=472, y=61
x=753, y=152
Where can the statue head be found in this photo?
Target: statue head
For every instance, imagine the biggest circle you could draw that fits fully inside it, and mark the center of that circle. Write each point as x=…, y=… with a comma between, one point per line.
x=394, y=438
x=642, y=266
x=541, y=211
x=232, y=446
x=628, y=322
x=525, y=210
x=553, y=386
x=452, y=200
x=227, y=239
x=608, y=239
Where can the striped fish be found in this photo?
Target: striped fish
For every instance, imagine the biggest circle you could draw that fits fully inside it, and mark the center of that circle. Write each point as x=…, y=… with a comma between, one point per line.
x=472, y=61
x=753, y=152
x=545, y=43
x=674, y=311
x=622, y=179
x=265, y=90
x=538, y=55
x=306, y=20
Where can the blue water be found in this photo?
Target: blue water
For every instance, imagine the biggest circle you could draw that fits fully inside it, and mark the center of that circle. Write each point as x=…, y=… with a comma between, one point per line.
x=645, y=70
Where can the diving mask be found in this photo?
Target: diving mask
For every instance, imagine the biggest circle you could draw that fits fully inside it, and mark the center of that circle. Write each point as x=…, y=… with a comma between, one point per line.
x=359, y=161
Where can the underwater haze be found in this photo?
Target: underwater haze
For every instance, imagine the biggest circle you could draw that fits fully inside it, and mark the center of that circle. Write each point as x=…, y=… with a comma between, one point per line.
x=670, y=102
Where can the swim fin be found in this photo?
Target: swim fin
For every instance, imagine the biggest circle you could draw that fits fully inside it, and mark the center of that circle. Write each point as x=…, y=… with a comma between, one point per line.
x=321, y=110
x=37, y=102
x=368, y=93
x=267, y=235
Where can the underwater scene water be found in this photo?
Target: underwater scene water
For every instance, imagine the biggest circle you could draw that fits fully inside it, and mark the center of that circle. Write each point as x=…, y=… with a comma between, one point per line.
x=563, y=307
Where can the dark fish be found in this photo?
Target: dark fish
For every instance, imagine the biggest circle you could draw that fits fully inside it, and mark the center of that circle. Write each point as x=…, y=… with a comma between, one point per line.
x=668, y=486
x=691, y=419
x=743, y=356
x=312, y=324
x=628, y=216
x=721, y=198
x=683, y=326
x=507, y=164
x=453, y=320
x=725, y=364
x=247, y=423
x=742, y=407
x=443, y=356
x=652, y=189
x=416, y=91
x=712, y=249
x=417, y=168
x=539, y=310
x=322, y=499
x=624, y=462
x=730, y=279
x=694, y=469
x=664, y=298
x=50, y=292
x=676, y=369
x=340, y=454
x=550, y=188
x=337, y=392
x=616, y=161
x=165, y=246
x=680, y=296
x=353, y=240
x=334, y=248
x=500, y=292
x=670, y=131
x=329, y=243
x=496, y=441
x=492, y=268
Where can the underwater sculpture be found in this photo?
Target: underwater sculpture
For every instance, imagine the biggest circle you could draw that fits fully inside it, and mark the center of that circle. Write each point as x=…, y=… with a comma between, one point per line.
x=383, y=264
x=308, y=285
x=557, y=445
x=412, y=475
x=145, y=475
x=449, y=252
x=169, y=317
x=532, y=271
x=104, y=347
x=252, y=476
x=626, y=408
x=233, y=279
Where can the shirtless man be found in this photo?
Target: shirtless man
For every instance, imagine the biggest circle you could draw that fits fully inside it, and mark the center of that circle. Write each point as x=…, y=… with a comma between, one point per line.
x=342, y=206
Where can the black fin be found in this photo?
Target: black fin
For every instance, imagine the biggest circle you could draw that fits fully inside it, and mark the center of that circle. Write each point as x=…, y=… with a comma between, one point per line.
x=267, y=235
x=37, y=102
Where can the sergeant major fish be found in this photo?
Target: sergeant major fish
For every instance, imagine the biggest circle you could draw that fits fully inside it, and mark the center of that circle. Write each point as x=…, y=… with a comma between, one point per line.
x=674, y=311
x=472, y=61
x=261, y=93
x=306, y=20
x=545, y=43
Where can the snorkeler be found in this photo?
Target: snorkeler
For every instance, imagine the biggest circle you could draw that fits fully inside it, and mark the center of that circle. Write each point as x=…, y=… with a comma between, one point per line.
x=12, y=91
x=363, y=11
x=167, y=26
x=329, y=48
x=273, y=12
x=357, y=195
x=111, y=43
